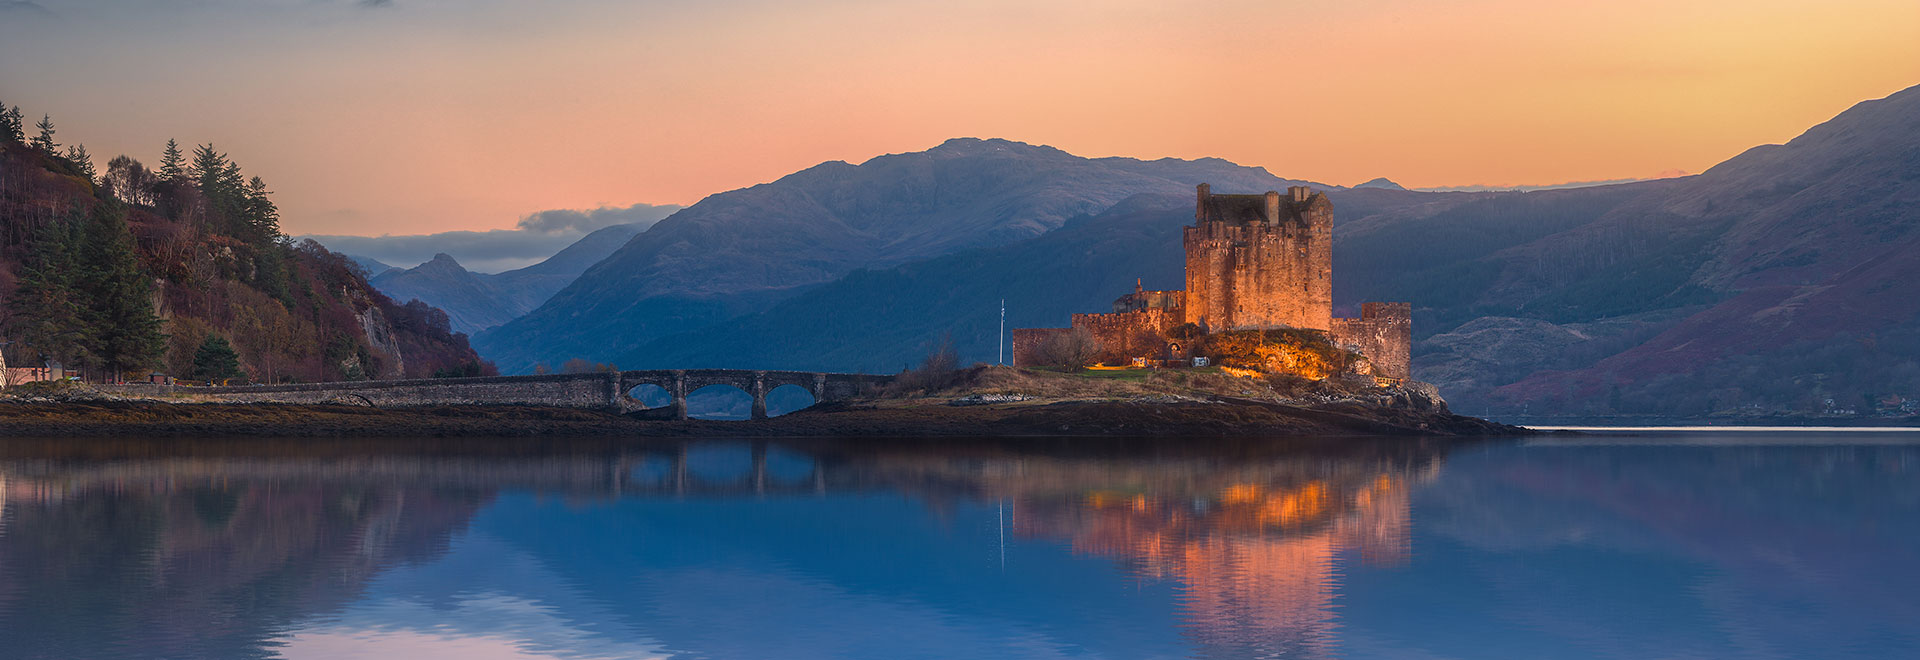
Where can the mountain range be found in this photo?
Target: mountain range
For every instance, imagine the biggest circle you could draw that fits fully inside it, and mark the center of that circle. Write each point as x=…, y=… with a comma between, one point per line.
x=1778, y=280
x=738, y=252
x=477, y=301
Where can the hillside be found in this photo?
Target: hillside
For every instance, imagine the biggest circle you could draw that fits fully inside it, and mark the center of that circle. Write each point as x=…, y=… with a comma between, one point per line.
x=528, y=287
x=117, y=273
x=879, y=320
x=735, y=252
x=1772, y=281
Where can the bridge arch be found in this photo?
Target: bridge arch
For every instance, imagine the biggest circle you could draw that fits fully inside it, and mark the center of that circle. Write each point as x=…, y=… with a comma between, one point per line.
x=758, y=385
x=650, y=396
x=789, y=397
x=723, y=401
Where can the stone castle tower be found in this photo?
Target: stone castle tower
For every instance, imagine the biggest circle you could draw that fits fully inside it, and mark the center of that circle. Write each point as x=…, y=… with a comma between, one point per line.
x=1253, y=262
x=1260, y=261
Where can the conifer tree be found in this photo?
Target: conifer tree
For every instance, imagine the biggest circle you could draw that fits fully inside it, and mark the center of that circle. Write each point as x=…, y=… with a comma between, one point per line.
x=44, y=141
x=81, y=159
x=45, y=307
x=12, y=127
x=208, y=164
x=262, y=214
x=230, y=196
x=173, y=165
x=216, y=361
x=122, y=332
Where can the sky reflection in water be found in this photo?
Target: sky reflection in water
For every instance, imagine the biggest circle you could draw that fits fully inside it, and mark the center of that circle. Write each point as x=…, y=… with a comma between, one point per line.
x=1618, y=548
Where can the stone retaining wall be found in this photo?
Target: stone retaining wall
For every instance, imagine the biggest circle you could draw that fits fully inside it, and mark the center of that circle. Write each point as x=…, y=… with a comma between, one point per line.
x=598, y=390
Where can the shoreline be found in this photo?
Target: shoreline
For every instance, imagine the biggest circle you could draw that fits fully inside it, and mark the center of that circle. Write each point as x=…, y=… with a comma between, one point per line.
x=1222, y=418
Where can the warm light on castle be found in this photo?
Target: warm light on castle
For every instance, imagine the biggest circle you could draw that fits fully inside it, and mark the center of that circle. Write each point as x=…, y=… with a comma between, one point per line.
x=1253, y=262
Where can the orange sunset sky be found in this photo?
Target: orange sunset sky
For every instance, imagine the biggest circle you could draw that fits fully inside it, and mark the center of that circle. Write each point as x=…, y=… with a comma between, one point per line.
x=418, y=116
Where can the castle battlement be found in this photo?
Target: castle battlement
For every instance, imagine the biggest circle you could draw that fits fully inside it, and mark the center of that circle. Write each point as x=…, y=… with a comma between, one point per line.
x=1297, y=207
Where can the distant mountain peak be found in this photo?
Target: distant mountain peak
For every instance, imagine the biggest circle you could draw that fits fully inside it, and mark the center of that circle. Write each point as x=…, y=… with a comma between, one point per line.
x=1382, y=183
x=440, y=263
x=969, y=146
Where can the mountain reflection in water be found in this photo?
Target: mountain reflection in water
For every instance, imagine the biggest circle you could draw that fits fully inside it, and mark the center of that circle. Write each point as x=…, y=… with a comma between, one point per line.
x=1143, y=549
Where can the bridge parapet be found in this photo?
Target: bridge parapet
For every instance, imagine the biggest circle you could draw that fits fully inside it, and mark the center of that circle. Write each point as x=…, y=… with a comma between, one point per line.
x=597, y=391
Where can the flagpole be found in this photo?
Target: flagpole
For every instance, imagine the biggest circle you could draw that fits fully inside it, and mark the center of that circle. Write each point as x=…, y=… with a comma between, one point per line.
x=1001, y=340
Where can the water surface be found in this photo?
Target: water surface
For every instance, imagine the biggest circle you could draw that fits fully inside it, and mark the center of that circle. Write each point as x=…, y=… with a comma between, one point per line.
x=1670, y=545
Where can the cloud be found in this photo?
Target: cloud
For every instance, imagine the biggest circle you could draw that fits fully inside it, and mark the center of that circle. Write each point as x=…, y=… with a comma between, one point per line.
x=582, y=222
x=374, y=3
x=479, y=251
x=539, y=236
x=23, y=7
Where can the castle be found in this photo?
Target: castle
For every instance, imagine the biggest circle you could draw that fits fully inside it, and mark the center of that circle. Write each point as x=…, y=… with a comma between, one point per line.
x=1253, y=262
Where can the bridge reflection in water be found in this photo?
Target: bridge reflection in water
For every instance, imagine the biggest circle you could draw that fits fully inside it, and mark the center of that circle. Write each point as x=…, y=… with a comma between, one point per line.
x=1247, y=535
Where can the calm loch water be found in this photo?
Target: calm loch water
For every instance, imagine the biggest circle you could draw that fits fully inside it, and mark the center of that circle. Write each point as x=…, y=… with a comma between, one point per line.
x=1698, y=545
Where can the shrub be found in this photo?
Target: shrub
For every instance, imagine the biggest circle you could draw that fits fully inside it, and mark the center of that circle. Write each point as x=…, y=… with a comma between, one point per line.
x=1072, y=349
x=938, y=371
x=216, y=361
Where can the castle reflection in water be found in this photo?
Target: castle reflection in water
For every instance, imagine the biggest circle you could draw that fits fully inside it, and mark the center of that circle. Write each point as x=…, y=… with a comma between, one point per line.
x=1228, y=549
x=1250, y=541
x=209, y=549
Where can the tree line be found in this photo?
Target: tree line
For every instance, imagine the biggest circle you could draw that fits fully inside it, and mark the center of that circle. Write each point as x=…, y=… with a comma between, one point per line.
x=88, y=249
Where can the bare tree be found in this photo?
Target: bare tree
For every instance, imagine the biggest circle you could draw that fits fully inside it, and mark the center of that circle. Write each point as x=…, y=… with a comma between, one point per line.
x=584, y=366
x=1072, y=349
x=130, y=181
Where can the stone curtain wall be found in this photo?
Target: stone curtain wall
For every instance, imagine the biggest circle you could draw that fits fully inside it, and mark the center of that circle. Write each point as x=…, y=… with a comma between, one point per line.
x=1383, y=333
x=1132, y=334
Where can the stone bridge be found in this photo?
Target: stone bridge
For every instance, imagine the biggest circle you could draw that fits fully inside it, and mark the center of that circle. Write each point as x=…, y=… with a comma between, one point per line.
x=598, y=391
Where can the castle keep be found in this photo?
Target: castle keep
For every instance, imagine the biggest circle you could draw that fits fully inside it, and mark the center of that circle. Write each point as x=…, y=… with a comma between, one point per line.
x=1253, y=262
x=1260, y=261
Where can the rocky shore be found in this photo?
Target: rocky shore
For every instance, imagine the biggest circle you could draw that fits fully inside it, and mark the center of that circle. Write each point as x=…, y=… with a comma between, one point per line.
x=982, y=405
x=1080, y=418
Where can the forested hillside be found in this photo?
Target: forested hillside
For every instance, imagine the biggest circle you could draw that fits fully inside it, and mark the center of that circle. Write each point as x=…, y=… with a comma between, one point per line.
x=183, y=268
